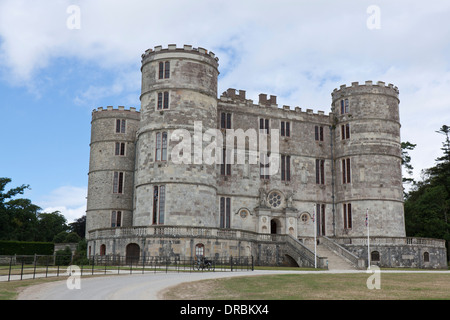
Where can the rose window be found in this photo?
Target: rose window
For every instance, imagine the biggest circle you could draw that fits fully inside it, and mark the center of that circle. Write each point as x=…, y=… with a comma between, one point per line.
x=275, y=199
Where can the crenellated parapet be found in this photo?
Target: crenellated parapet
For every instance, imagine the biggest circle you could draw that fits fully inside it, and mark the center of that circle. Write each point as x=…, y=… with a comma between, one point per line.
x=111, y=108
x=234, y=98
x=367, y=88
x=172, y=51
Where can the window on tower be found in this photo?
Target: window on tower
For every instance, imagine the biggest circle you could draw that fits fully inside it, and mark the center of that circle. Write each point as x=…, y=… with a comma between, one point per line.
x=225, y=212
x=346, y=171
x=161, y=146
x=118, y=182
x=163, y=100
x=159, y=204
x=345, y=131
x=120, y=125
x=164, y=70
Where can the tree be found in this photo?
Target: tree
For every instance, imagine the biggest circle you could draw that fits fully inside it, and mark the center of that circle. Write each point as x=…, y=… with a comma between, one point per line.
x=50, y=224
x=79, y=226
x=427, y=205
x=21, y=220
x=8, y=208
x=406, y=160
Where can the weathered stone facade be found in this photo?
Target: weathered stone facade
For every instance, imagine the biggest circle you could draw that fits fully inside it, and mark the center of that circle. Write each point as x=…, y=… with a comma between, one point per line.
x=337, y=167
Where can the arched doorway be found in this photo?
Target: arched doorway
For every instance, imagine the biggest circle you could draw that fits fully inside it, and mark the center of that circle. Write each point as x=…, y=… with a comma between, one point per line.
x=132, y=253
x=275, y=226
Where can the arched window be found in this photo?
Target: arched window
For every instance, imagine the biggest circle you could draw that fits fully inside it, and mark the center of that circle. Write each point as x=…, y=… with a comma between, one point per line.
x=375, y=256
x=426, y=256
x=199, y=250
x=102, y=250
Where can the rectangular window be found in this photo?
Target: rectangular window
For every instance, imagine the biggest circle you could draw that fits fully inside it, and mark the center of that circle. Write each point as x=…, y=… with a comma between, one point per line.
x=225, y=166
x=167, y=70
x=345, y=108
x=163, y=100
x=264, y=166
x=320, y=213
x=320, y=171
x=346, y=172
x=164, y=70
x=347, y=210
x=225, y=120
x=161, y=146
x=318, y=133
x=345, y=131
x=159, y=204
x=120, y=149
x=225, y=212
x=116, y=219
x=118, y=182
x=264, y=125
x=161, y=70
x=285, y=168
x=120, y=125
x=285, y=129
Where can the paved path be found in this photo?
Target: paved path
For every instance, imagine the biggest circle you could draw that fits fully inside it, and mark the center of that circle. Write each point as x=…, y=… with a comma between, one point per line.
x=140, y=286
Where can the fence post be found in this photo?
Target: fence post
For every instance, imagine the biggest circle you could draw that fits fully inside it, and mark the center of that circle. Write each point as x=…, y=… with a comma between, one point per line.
x=93, y=263
x=231, y=263
x=10, y=264
x=21, y=270
x=253, y=265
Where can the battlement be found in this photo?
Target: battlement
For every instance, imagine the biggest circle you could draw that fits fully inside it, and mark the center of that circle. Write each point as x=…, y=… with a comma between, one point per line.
x=238, y=97
x=173, y=48
x=368, y=87
x=111, y=108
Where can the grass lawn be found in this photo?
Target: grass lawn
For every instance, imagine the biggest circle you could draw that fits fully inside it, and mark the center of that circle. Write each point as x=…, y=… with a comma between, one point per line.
x=394, y=286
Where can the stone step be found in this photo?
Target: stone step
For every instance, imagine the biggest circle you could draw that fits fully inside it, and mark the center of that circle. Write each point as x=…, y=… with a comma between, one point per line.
x=335, y=262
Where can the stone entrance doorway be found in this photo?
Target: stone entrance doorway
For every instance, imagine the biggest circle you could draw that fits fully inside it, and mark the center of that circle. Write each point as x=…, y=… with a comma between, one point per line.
x=132, y=253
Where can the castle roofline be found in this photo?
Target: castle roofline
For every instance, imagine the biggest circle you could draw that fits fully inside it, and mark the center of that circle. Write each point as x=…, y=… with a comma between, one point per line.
x=173, y=48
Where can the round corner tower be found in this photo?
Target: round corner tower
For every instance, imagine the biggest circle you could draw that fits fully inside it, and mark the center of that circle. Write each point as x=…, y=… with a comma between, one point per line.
x=179, y=89
x=111, y=168
x=368, y=160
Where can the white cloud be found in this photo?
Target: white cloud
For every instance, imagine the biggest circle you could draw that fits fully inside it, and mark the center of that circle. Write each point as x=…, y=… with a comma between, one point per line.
x=69, y=200
x=297, y=50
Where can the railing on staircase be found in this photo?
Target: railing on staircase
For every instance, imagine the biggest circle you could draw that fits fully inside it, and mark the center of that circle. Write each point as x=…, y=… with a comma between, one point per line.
x=353, y=259
x=305, y=253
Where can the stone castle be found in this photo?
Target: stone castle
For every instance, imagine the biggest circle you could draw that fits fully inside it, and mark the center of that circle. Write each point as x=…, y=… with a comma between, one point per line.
x=321, y=175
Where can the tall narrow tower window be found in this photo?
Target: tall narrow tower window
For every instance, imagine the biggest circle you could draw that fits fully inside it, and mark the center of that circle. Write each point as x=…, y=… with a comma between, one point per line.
x=345, y=131
x=118, y=182
x=120, y=125
x=116, y=219
x=163, y=100
x=285, y=168
x=347, y=208
x=345, y=108
x=164, y=70
x=120, y=149
x=346, y=171
x=159, y=204
x=225, y=210
x=161, y=146
x=320, y=171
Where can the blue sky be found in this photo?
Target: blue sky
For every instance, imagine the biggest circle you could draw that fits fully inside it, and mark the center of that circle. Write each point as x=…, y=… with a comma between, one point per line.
x=51, y=76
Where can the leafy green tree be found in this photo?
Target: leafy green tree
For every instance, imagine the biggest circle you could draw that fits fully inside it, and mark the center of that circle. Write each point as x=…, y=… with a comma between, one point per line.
x=427, y=204
x=51, y=224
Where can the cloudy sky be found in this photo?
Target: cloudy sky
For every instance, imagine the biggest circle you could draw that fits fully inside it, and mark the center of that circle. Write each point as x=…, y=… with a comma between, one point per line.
x=59, y=59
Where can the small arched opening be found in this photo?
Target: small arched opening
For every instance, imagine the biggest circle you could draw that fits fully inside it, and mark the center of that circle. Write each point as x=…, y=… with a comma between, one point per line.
x=132, y=253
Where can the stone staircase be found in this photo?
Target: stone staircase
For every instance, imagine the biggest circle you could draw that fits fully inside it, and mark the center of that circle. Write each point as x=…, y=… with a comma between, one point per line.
x=335, y=261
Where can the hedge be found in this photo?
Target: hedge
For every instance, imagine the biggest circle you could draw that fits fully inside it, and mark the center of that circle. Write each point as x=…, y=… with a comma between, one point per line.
x=26, y=248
